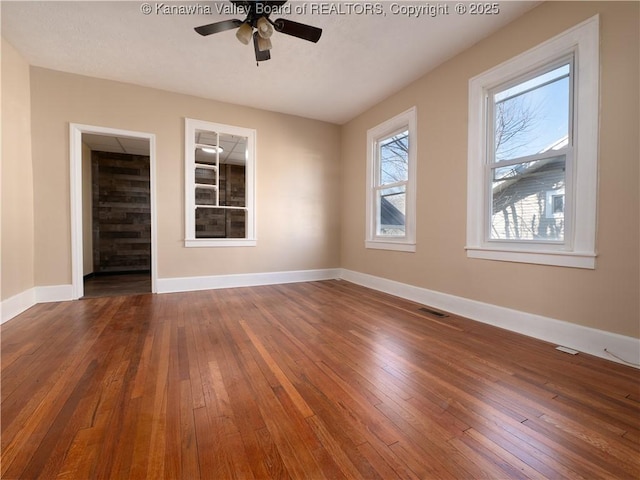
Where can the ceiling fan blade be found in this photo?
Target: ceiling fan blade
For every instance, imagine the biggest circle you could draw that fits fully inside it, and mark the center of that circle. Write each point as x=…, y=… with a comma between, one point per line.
x=205, y=30
x=300, y=30
x=261, y=55
x=248, y=3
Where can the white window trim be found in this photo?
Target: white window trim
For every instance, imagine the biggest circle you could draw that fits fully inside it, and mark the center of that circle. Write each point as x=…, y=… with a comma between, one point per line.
x=579, y=250
x=406, y=243
x=191, y=126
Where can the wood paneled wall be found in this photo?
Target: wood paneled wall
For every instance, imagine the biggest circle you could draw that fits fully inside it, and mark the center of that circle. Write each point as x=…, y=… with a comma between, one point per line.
x=121, y=212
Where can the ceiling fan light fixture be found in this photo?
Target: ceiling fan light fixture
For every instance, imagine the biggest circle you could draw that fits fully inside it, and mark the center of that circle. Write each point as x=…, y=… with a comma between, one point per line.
x=260, y=27
x=244, y=33
x=265, y=29
x=264, y=44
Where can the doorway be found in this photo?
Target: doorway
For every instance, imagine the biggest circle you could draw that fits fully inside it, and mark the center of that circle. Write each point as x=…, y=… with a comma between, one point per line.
x=113, y=211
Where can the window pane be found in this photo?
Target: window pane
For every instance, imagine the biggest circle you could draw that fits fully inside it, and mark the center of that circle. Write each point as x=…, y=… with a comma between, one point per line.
x=207, y=147
x=220, y=223
x=557, y=205
x=533, y=83
x=206, y=137
x=206, y=158
x=232, y=185
x=205, y=176
x=205, y=196
x=533, y=116
x=394, y=158
x=522, y=207
x=391, y=211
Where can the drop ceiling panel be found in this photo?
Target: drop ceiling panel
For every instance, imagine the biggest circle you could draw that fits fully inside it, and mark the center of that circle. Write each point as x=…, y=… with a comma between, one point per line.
x=105, y=143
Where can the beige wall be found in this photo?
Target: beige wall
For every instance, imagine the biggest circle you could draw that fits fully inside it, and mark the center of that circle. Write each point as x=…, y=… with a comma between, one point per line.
x=16, y=260
x=298, y=177
x=606, y=298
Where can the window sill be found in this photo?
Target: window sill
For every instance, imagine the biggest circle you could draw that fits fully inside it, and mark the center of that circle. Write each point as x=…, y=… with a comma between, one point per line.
x=219, y=242
x=400, y=247
x=554, y=258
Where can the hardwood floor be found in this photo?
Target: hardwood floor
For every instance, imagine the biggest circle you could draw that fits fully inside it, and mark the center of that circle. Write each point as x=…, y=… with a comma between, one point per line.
x=117, y=284
x=308, y=381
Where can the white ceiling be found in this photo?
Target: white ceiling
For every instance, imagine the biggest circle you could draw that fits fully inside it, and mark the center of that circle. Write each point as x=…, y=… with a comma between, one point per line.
x=360, y=59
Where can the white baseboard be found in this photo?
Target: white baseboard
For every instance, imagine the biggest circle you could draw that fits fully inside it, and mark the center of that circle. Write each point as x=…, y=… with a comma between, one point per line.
x=559, y=332
x=17, y=304
x=212, y=282
x=54, y=293
x=14, y=306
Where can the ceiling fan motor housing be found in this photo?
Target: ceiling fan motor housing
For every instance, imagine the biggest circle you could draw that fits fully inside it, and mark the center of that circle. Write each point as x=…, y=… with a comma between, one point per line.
x=258, y=13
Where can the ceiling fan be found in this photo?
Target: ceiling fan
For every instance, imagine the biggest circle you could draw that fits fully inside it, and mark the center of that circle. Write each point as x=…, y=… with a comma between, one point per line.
x=260, y=27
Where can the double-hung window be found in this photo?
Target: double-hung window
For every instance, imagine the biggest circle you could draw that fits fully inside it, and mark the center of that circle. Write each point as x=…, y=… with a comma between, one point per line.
x=391, y=153
x=219, y=185
x=532, y=160
x=530, y=150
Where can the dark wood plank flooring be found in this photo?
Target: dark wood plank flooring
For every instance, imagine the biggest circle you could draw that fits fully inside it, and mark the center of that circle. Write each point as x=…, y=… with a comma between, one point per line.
x=307, y=381
x=117, y=284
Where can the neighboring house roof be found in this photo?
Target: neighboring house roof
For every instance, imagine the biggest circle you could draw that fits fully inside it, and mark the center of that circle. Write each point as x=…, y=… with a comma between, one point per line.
x=518, y=171
x=557, y=145
x=389, y=214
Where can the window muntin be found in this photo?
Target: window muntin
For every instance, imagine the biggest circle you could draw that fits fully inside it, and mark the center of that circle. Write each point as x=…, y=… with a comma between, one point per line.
x=219, y=162
x=391, y=169
x=530, y=147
